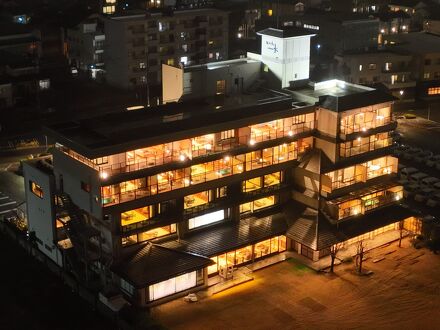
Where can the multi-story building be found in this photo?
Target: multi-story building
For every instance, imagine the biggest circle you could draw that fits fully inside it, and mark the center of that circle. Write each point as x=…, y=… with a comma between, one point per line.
x=85, y=46
x=158, y=200
x=425, y=64
x=393, y=70
x=137, y=45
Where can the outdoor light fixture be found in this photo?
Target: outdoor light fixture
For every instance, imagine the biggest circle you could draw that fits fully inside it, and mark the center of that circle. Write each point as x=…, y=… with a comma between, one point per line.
x=401, y=92
x=252, y=142
x=103, y=175
x=290, y=133
x=182, y=158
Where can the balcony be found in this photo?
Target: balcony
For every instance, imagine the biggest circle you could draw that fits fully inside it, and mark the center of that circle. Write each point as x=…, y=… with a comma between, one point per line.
x=362, y=201
x=351, y=133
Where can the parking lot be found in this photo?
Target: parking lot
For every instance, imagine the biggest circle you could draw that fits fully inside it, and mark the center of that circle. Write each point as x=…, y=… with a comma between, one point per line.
x=418, y=150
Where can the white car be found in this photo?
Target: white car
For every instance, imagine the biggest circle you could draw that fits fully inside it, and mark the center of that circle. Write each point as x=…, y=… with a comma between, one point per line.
x=429, y=182
x=406, y=172
x=434, y=200
x=411, y=190
x=424, y=194
x=431, y=161
x=411, y=153
x=421, y=157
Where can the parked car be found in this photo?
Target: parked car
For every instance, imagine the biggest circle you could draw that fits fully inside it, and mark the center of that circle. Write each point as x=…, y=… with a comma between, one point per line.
x=410, y=190
x=423, y=156
x=418, y=177
x=429, y=182
x=407, y=171
x=424, y=194
x=411, y=153
x=433, y=201
x=431, y=161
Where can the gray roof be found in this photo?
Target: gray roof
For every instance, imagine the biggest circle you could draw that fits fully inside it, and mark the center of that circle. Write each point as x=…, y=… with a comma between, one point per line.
x=311, y=228
x=154, y=263
x=231, y=235
x=352, y=101
x=286, y=32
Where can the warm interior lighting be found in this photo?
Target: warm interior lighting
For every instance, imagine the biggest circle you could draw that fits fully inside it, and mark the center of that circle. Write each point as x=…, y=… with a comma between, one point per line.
x=290, y=133
x=103, y=175
x=252, y=142
x=135, y=107
x=182, y=158
x=375, y=167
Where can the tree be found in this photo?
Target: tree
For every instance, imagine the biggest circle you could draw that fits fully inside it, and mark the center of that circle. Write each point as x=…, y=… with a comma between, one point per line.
x=334, y=254
x=400, y=233
x=360, y=253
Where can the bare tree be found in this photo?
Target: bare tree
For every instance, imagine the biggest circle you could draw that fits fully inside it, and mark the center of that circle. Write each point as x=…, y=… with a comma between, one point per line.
x=360, y=253
x=400, y=233
x=334, y=250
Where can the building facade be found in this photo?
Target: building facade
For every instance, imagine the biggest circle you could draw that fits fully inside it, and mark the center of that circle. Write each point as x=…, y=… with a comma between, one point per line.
x=137, y=45
x=157, y=201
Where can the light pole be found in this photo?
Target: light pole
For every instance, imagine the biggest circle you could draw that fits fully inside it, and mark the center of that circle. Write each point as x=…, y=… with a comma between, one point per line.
x=429, y=111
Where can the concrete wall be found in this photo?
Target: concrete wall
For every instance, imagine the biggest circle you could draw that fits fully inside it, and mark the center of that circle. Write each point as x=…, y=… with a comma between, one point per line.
x=203, y=82
x=172, y=83
x=40, y=211
x=116, y=54
x=327, y=122
x=73, y=173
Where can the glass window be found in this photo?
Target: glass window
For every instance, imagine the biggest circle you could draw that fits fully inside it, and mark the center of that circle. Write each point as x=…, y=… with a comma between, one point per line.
x=197, y=199
x=206, y=219
x=36, y=189
x=156, y=232
x=221, y=86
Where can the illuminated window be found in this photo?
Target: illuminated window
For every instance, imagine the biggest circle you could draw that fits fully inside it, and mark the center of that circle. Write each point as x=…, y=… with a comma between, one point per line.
x=220, y=86
x=206, y=219
x=173, y=285
x=360, y=67
x=269, y=12
x=434, y=90
x=170, y=61
x=426, y=75
x=44, y=84
x=142, y=65
x=108, y=9
x=36, y=189
x=229, y=134
x=372, y=66
x=85, y=186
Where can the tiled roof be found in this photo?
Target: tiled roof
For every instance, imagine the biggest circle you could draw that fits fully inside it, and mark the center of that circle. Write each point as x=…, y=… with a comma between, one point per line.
x=231, y=235
x=153, y=263
x=353, y=101
x=308, y=227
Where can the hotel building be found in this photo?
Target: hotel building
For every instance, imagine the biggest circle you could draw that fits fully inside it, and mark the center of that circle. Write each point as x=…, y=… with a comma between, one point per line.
x=157, y=201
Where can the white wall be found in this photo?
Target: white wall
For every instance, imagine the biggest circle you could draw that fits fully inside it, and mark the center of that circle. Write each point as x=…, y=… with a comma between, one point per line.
x=40, y=211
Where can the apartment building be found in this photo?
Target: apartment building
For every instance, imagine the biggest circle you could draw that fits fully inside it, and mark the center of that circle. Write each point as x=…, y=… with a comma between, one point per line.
x=85, y=46
x=161, y=201
x=137, y=45
x=425, y=64
x=393, y=70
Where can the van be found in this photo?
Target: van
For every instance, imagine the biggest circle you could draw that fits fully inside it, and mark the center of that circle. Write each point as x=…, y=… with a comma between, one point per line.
x=429, y=182
x=407, y=171
x=418, y=177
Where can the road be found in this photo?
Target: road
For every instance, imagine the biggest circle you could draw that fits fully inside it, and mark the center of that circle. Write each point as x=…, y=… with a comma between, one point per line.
x=420, y=133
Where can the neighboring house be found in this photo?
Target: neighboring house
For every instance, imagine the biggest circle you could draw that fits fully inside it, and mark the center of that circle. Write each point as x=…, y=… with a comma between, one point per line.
x=425, y=64
x=157, y=201
x=85, y=46
x=393, y=70
x=137, y=45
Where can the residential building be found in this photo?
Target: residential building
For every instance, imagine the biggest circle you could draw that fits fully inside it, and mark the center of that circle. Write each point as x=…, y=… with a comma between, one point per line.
x=425, y=64
x=85, y=46
x=163, y=201
x=20, y=79
x=137, y=45
x=393, y=70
